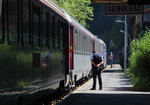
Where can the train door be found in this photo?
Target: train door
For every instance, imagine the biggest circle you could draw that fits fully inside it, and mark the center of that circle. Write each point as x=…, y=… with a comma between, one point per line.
x=71, y=63
x=69, y=81
x=66, y=47
x=62, y=41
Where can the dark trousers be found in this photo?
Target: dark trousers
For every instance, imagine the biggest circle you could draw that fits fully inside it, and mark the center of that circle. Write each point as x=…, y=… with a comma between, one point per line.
x=95, y=74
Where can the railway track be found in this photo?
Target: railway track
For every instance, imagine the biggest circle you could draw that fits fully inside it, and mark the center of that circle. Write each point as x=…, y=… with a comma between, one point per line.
x=59, y=95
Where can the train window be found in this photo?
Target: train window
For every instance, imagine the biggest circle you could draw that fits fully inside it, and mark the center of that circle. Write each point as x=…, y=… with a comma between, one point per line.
x=60, y=34
x=78, y=40
x=85, y=44
x=44, y=33
x=49, y=30
x=81, y=39
x=75, y=40
x=54, y=44
x=1, y=33
x=92, y=47
x=56, y=35
x=36, y=26
x=1, y=25
x=1, y=1
x=89, y=43
x=26, y=22
x=13, y=21
x=82, y=43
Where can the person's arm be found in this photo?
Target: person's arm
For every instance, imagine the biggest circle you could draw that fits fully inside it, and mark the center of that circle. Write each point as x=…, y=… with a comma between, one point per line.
x=100, y=63
x=94, y=63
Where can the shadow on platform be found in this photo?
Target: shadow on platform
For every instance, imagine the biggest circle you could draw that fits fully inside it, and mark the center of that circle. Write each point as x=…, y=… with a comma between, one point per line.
x=107, y=99
x=112, y=71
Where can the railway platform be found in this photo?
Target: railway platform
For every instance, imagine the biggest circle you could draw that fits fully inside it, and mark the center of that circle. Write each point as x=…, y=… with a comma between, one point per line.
x=117, y=90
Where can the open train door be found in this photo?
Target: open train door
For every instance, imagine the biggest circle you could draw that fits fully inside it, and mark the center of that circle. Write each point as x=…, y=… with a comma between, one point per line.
x=68, y=49
x=70, y=66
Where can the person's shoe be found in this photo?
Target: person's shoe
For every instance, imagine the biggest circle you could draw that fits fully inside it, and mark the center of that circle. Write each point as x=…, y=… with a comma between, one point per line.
x=92, y=89
x=100, y=88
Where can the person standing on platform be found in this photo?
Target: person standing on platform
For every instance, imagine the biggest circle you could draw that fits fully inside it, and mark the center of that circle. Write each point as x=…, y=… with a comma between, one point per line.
x=111, y=59
x=97, y=67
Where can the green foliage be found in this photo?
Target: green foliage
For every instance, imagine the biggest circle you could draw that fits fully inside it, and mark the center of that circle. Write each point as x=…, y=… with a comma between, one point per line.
x=78, y=9
x=116, y=36
x=112, y=45
x=139, y=62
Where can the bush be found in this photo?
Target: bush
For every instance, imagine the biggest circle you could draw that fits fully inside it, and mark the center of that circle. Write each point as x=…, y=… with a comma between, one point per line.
x=139, y=62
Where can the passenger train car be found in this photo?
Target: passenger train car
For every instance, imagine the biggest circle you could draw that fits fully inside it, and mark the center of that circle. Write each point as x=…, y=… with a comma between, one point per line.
x=81, y=46
x=42, y=49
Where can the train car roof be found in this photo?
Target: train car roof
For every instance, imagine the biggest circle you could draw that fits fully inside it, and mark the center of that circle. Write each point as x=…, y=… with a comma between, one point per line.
x=75, y=23
x=55, y=7
x=64, y=14
x=102, y=42
x=78, y=25
x=99, y=41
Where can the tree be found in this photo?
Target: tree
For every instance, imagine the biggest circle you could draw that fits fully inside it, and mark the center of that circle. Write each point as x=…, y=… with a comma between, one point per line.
x=78, y=9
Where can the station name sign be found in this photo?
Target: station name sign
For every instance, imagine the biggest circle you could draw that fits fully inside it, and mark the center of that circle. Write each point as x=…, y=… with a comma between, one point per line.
x=139, y=2
x=123, y=8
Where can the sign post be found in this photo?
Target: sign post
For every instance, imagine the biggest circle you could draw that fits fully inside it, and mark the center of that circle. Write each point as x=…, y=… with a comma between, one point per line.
x=125, y=43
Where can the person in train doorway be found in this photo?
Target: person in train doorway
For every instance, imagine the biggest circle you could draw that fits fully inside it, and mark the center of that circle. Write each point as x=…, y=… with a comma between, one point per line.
x=97, y=67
